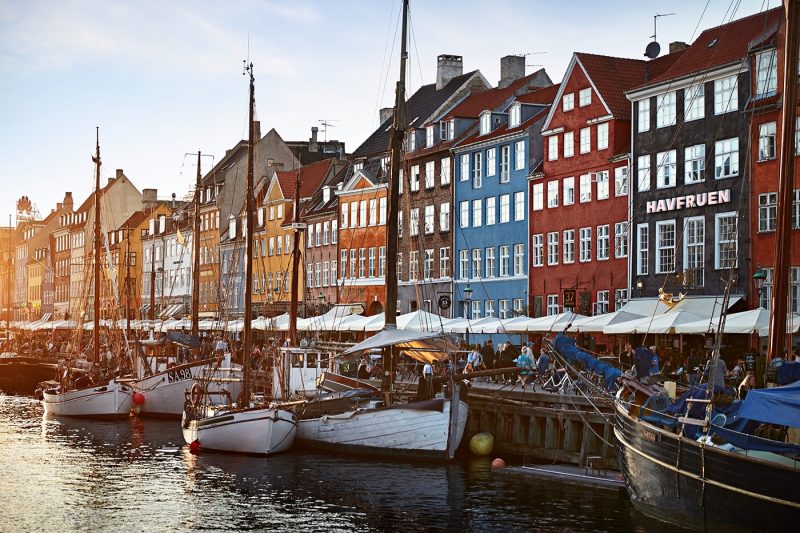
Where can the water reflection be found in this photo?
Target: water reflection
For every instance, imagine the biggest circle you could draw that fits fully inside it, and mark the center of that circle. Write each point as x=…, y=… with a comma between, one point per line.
x=116, y=475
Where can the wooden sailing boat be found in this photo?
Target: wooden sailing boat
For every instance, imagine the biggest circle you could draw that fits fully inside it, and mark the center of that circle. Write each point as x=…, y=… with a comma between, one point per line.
x=375, y=424
x=112, y=399
x=249, y=428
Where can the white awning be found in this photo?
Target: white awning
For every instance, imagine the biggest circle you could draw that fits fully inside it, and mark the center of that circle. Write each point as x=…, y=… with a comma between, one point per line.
x=172, y=311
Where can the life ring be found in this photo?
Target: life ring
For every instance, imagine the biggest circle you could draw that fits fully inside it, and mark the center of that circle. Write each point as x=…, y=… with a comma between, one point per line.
x=196, y=394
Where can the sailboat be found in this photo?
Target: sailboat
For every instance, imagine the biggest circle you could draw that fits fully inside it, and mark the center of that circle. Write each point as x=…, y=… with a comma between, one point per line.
x=111, y=399
x=247, y=427
x=687, y=462
x=160, y=383
x=374, y=423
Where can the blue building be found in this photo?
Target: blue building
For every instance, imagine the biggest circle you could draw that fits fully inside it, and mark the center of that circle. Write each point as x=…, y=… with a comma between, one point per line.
x=491, y=170
x=232, y=248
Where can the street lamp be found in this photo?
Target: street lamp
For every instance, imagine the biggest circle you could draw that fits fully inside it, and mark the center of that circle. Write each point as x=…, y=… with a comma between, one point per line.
x=467, y=299
x=321, y=298
x=640, y=285
x=759, y=278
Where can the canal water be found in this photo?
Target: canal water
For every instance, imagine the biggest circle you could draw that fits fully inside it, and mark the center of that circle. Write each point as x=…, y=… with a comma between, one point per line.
x=137, y=475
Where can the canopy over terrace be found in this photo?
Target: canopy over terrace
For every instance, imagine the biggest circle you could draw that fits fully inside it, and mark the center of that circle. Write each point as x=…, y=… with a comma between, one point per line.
x=423, y=346
x=595, y=324
x=657, y=324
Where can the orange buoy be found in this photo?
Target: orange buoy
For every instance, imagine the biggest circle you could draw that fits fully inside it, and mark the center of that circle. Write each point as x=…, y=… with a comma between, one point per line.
x=194, y=447
x=498, y=463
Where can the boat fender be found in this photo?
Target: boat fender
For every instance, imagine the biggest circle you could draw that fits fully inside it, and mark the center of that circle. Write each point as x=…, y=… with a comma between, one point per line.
x=197, y=394
x=138, y=398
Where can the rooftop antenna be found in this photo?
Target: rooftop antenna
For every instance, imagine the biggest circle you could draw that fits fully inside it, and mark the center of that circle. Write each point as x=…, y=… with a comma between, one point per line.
x=325, y=122
x=653, y=48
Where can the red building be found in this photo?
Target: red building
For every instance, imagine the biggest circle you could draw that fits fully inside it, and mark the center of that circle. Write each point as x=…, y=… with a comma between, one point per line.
x=579, y=197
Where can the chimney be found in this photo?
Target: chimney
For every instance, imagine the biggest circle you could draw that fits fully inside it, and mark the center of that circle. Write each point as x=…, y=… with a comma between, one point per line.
x=120, y=174
x=256, y=129
x=385, y=114
x=68, y=201
x=149, y=197
x=677, y=46
x=511, y=68
x=111, y=180
x=312, y=142
x=447, y=68
x=59, y=206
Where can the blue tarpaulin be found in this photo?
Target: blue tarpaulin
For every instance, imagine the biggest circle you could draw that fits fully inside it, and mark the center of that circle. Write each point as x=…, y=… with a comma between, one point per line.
x=184, y=339
x=779, y=405
x=787, y=373
x=566, y=347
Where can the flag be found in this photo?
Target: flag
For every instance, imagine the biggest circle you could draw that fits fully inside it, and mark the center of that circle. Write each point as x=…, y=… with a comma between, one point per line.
x=181, y=238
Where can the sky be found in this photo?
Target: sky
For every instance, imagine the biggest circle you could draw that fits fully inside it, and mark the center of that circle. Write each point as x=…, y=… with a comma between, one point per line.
x=163, y=79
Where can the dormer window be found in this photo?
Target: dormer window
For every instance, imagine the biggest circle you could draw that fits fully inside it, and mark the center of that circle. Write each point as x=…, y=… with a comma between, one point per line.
x=766, y=73
x=231, y=227
x=261, y=217
x=358, y=166
x=443, y=130
x=515, y=116
x=162, y=224
x=412, y=144
x=451, y=129
x=568, y=102
x=486, y=122
x=429, y=138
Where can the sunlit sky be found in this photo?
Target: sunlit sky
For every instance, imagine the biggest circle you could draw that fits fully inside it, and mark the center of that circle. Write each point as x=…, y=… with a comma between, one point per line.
x=162, y=79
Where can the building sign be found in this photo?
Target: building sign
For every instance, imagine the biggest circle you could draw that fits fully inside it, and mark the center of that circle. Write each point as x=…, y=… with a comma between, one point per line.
x=689, y=201
x=569, y=298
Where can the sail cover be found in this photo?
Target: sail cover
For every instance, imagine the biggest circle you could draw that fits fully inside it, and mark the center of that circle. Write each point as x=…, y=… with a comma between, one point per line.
x=779, y=405
x=424, y=346
x=566, y=347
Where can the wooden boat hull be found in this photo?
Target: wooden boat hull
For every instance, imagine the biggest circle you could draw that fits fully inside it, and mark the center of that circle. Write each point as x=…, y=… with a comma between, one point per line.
x=113, y=400
x=258, y=431
x=680, y=481
x=165, y=392
x=21, y=375
x=419, y=429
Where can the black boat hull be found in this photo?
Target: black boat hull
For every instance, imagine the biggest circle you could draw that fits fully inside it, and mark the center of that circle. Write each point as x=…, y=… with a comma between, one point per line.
x=21, y=375
x=679, y=481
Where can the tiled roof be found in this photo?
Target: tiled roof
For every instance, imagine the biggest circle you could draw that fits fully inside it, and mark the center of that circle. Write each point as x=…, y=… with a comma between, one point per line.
x=721, y=45
x=317, y=206
x=421, y=105
x=491, y=99
x=503, y=130
x=311, y=177
x=544, y=96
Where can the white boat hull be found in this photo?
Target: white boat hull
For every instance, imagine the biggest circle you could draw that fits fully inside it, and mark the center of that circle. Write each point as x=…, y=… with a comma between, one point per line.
x=417, y=429
x=261, y=431
x=165, y=392
x=110, y=401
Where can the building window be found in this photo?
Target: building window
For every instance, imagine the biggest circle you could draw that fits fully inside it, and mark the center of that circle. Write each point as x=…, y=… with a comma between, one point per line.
x=585, y=140
x=538, y=196
x=621, y=181
x=620, y=298
x=430, y=174
x=505, y=208
x=504, y=310
x=621, y=239
x=585, y=250
x=400, y=223
x=537, y=250
x=504, y=260
x=362, y=262
x=486, y=122
x=477, y=171
x=444, y=217
x=643, y=172
x=602, y=136
x=463, y=209
x=427, y=271
x=767, y=211
x=372, y=262
x=519, y=155
x=585, y=188
x=443, y=130
x=429, y=139
x=463, y=264
x=413, y=227
x=381, y=262
x=413, y=265
x=797, y=136
x=489, y=304
x=643, y=247
x=444, y=171
x=430, y=218
x=569, y=246
x=568, y=102
x=643, y=115
x=476, y=263
x=602, y=185
x=569, y=191
x=584, y=97
x=665, y=177
x=665, y=110
x=519, y=205
x=552, y=248
x=362, y=214
x=552, y=304
x=694, y=251
x=411, y=140
x=353, y=264
x=444, y=261
x=515, y=116
x=491, y=161
x=491, y=210
x=414, y=179
x=400, y=266
x=519, y=259
x=603, y=242
x=505, y=156
x=665, y=246
x=552, y=148
x=694, y=163
x=464, y=168
x=552, y=194
x=726, y=240
x=766, y=73
x=726, y=158
x=694, y=102
x=569, y=144
x=601, y=307
x=726, y=95
x=489, y=263
x=373, y=212
x=796, y=210
x=766, y=141
x=476, y=310
x=765, y=296
x=477, y=213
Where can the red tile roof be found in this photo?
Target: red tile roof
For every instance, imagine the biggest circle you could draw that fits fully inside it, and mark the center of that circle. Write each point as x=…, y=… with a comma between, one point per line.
x=503, y=130
x=722, y=45
x=491, y=99
x=543, y=96
x=311, y=177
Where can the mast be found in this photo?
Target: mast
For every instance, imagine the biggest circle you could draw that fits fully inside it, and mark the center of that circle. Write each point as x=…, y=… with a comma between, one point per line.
x=783, y=235
x=196, y=254
x=97, y=236
x=295, y=264
x=128, y=284
x=395, y=154
x=9, y=263
x=248, y=264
